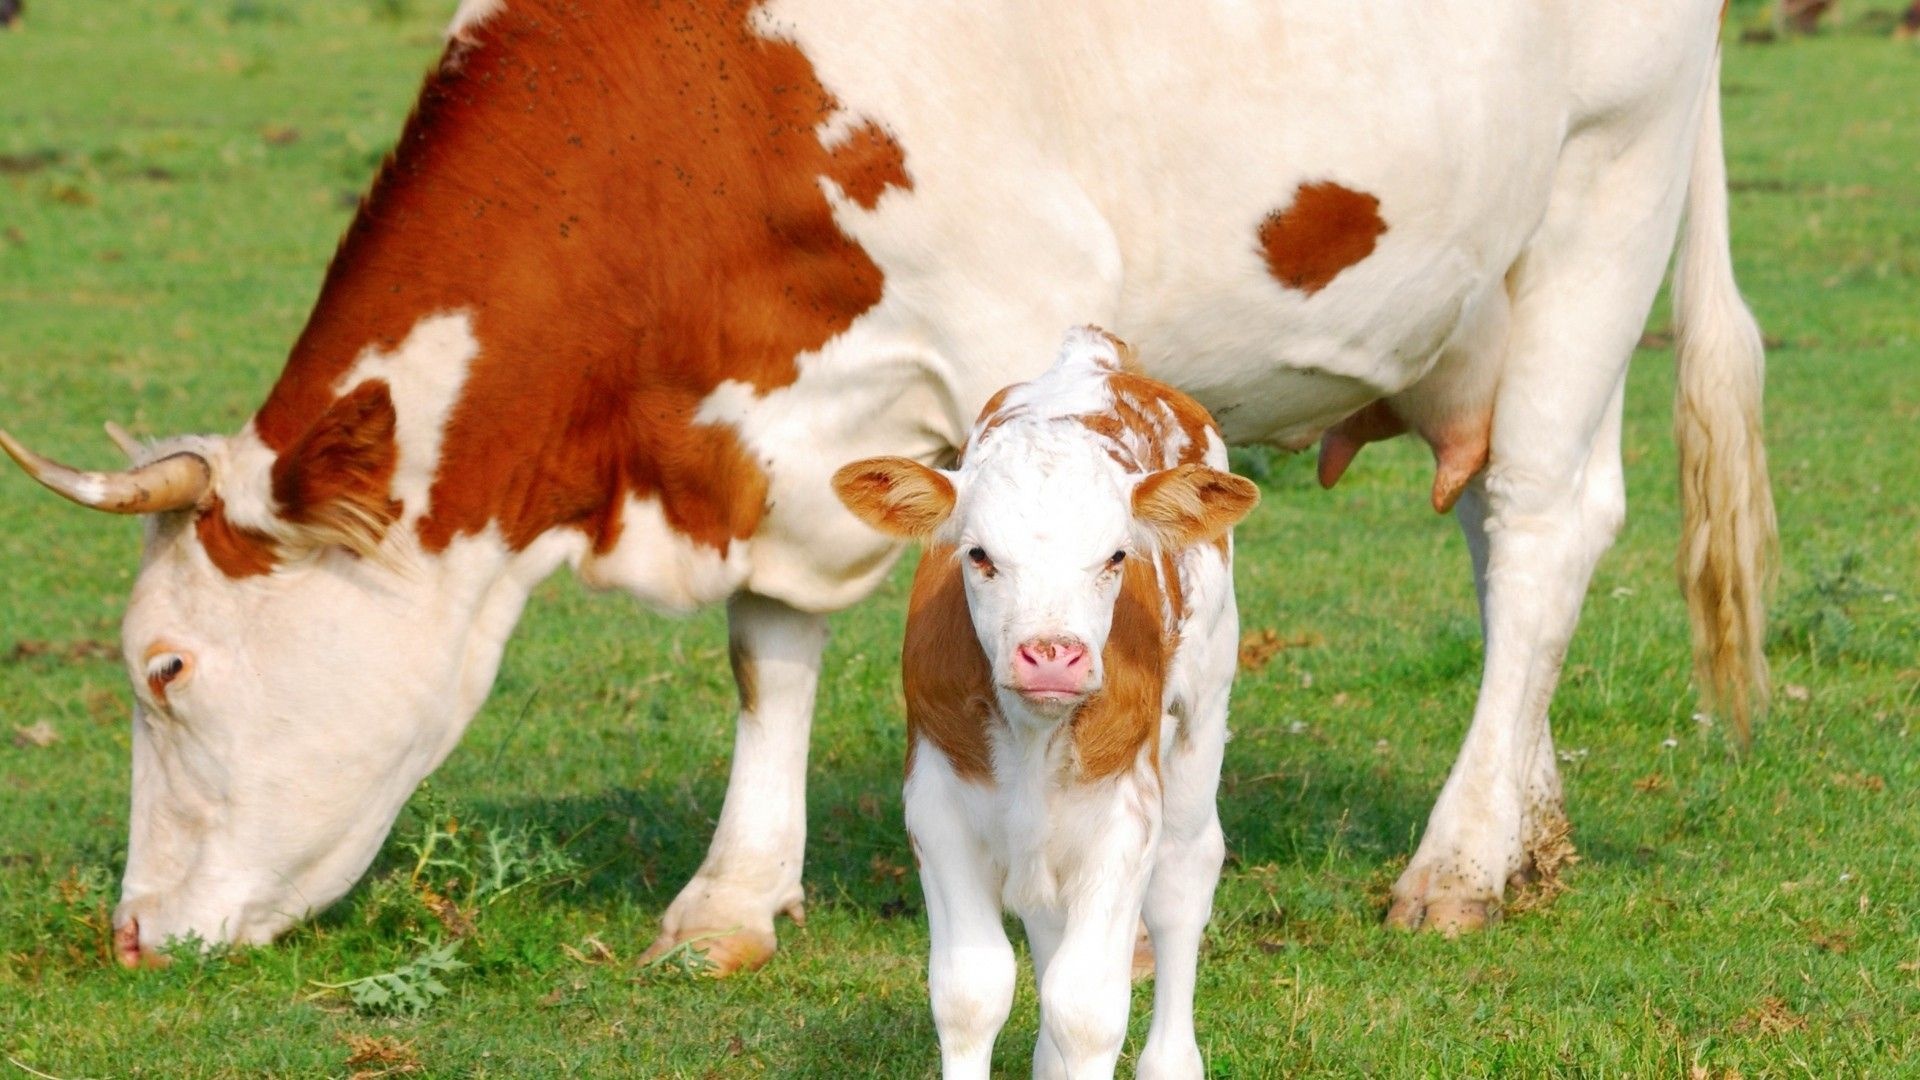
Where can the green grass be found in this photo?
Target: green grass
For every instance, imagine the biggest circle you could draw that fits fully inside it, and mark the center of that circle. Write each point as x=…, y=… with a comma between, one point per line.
x=172, y=178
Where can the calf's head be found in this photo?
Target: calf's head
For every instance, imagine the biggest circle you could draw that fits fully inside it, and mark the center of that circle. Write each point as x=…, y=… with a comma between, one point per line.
x=298, y=665
x=1044, y=521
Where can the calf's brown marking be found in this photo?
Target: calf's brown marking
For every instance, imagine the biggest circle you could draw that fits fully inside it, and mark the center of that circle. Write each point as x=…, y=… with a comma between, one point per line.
x=1124, y=714
x=944, y=672
x=1324, y=230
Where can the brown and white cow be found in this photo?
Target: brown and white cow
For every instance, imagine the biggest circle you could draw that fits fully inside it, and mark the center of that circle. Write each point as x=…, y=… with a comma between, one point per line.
x=639, y=275
x=1067, y=676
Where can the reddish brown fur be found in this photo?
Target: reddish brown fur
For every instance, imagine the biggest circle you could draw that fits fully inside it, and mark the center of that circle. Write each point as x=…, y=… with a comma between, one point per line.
x=869, y=163
x=336, y=477
x=1324, y=230
x=237, y=552
x=898, y=496
x=944, y=672
x=1113, y=725
x=1193, y=504
x=626, y=198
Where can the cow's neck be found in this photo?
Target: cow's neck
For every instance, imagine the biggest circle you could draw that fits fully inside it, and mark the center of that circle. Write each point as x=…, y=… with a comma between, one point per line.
x=595, y=216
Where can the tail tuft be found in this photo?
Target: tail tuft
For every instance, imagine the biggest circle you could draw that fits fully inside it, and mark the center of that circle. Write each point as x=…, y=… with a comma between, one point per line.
x=1728, y=546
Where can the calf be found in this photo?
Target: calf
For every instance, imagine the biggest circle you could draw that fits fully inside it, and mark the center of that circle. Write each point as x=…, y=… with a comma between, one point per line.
x=1070, y=644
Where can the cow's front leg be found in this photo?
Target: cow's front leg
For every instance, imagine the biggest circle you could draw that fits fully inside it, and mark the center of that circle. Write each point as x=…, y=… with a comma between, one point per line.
x=752, y=869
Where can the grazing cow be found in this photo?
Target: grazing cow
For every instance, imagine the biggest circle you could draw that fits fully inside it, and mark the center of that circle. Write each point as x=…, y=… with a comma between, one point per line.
x=1066, y=678
x=640, y=273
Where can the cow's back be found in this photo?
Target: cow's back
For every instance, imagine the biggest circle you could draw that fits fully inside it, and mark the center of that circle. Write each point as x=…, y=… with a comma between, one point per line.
x=1132, y=155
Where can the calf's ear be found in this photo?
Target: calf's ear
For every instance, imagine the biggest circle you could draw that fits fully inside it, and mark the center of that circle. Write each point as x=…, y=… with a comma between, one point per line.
x=1192, y=504
x=896, y=495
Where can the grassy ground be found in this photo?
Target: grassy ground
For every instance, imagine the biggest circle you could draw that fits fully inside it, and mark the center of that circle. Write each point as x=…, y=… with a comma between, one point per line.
x=172, y=178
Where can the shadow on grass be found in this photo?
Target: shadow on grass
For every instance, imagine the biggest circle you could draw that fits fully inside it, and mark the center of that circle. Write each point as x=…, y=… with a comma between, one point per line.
x=638, y=845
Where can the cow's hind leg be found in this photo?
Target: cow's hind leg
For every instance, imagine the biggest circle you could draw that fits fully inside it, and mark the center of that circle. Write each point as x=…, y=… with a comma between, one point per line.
x=1547, y=506
x=752, y=869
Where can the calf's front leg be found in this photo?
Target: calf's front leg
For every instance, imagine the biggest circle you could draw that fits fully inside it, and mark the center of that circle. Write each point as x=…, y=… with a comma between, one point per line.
x=1088, y=983
x=970, y=967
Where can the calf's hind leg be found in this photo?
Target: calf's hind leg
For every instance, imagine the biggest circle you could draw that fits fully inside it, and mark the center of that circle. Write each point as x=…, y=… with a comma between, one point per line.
x=752, y=869
x=1179, y=902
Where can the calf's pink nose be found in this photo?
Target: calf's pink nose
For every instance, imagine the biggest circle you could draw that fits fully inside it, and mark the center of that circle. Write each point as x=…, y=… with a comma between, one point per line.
x=1051, y=666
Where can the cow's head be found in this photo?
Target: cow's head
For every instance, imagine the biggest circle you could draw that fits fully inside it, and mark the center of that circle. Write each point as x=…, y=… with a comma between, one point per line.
x=1045, y=520
x=298, y=665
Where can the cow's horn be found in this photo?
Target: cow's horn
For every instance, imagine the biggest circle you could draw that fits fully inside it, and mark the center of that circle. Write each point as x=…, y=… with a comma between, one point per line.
x=174, y=482
x=128, y=445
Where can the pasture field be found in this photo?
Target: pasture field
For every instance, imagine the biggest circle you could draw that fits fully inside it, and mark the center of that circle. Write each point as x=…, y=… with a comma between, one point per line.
x=172, y=178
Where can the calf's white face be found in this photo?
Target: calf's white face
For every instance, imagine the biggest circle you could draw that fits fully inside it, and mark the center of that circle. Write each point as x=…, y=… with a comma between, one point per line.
x=1044, y=521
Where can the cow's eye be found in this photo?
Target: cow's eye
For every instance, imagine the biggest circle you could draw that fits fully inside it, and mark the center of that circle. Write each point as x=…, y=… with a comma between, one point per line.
x=978, y=556
x=1118, y=558
x=163, y=670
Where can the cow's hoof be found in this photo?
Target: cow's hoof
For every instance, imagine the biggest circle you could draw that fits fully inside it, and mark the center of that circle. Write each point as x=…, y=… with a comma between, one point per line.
x=1421, y=904
x=717, y=953
x=1442, y=915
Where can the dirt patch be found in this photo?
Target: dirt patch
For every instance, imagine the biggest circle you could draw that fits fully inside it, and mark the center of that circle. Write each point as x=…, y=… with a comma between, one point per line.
x=371, y=1056
x=39, y=735
x=72, y=652
x=1258, y=647
x=31, y=161
x=1771, y=1017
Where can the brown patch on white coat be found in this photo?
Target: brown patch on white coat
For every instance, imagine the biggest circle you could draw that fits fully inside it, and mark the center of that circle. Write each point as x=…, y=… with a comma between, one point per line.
x=1325, y=229
x=720, y=192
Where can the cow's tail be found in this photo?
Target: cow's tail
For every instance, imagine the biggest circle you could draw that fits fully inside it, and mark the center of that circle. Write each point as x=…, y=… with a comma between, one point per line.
x=1727, y=542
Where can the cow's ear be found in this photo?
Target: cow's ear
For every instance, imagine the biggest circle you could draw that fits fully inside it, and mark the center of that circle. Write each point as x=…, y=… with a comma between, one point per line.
x=333, y=485
x=896, y=495
x=1192, y=504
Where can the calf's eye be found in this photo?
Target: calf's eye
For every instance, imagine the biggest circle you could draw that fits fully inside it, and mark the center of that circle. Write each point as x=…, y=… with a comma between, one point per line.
x=978, y=556
x=1118, y=558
